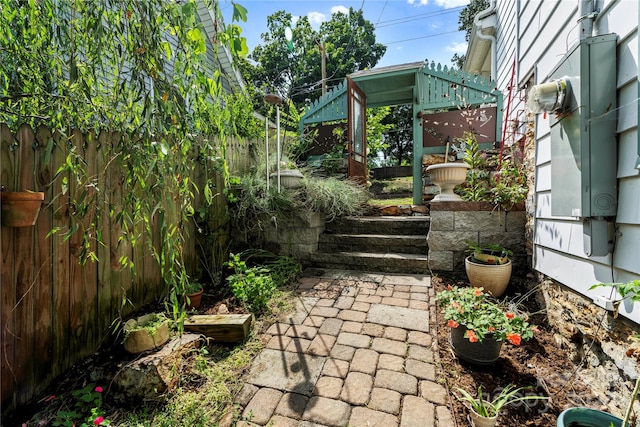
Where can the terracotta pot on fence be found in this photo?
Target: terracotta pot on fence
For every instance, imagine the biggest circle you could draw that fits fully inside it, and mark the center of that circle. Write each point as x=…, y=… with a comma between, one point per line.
x=20, y=208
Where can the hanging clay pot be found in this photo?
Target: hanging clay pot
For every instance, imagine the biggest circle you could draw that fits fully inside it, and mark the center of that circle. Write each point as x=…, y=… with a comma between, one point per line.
x=20, y=208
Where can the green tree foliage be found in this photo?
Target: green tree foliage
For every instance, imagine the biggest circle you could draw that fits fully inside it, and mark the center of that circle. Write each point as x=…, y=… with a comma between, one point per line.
x=379, y=122
x=465, y=23
x=140, y=68
x=349, y=45
x=398, y=140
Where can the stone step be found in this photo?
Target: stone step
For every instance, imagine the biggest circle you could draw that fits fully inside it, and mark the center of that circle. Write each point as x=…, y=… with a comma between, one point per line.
x=412, y=244
x=376, y=262
x=385, y=225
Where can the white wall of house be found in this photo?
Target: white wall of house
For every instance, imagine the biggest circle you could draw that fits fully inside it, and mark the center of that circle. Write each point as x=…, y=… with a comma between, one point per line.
x=539, y=33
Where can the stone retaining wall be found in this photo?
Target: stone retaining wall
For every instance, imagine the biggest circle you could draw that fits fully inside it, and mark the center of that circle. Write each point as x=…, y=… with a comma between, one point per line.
x=602, y=347
x=297, y=237
x=452, y=223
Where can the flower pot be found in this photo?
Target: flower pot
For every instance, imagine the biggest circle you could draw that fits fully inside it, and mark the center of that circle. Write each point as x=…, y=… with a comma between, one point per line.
x=194, y=300
x=146, y=333
x=480, y=421
x=587, y=417
x=447, y=176
x=493, y=278
x=483, y=353
x=21, y=208
x=289, y=178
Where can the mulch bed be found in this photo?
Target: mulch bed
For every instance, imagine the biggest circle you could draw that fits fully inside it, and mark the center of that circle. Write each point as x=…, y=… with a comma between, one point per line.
x=537, y=363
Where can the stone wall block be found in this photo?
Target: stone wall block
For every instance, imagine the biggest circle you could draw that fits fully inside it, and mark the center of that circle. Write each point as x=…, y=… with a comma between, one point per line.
x=479, y=220
x=441, y=260
x=512, y=240
x=515, y=220
x=287, y=236
x=441, y=220
x=450, y=240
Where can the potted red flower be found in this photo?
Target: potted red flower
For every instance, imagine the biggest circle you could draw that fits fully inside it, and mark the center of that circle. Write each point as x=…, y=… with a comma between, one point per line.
x=480, y=324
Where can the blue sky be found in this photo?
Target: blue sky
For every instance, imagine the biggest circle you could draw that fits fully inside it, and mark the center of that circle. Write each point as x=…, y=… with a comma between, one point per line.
x=412, y=30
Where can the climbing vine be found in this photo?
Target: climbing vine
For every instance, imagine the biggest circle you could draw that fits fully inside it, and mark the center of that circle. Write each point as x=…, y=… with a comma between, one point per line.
x=145, y=70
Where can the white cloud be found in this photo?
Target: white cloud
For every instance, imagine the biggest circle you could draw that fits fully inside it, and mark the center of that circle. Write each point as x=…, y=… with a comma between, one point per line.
x=448, y=4
x=459, y=48
x=340, y=9
x=420, y=2
x=316, y=18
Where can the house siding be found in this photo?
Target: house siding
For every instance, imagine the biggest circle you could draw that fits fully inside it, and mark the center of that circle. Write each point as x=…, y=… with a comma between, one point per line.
x=545, y=30
x=540, y=33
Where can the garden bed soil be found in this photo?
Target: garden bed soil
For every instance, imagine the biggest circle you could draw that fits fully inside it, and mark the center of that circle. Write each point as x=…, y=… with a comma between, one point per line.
x=537, y=363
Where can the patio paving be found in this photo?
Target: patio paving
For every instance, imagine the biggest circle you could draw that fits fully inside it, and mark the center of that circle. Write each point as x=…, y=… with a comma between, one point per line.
x=357, y=349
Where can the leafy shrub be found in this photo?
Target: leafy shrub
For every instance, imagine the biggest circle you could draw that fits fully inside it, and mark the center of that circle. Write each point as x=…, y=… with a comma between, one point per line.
x=255, y=285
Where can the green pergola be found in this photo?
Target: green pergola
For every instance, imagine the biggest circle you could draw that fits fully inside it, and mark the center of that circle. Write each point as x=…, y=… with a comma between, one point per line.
x=429, y=87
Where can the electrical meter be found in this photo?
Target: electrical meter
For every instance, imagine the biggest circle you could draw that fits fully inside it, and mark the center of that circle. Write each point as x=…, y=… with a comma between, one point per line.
x=549, y=97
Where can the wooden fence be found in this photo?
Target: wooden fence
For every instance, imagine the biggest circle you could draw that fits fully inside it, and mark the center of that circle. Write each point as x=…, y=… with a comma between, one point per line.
x=55, y=311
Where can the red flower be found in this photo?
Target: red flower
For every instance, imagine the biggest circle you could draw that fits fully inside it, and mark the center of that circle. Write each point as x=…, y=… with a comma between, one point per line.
x=471, y=335
x=99, y=389
x=510, y=315
x=478, y=292
x=491, y=329
x=449, y=287
x=514, y=339
x=98, y=421
x=453, y=324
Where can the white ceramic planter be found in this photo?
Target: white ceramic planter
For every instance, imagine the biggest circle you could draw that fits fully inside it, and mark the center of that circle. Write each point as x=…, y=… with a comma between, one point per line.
x=447, y=176
x=480, y=421
x=493, y=278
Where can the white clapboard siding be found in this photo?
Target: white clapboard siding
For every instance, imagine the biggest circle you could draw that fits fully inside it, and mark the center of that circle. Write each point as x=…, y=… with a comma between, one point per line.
x=540, y=33
x=626, y=257
x=627, y=107
x=629, y=207
x=550, y=31
x=627, y=154
x=507, y=44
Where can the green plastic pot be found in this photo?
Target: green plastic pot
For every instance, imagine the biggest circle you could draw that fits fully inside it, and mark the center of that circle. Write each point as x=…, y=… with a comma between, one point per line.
x=587, y=417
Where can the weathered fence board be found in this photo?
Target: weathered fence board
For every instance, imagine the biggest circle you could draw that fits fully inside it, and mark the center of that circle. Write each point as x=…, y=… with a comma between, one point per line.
x=54, y=310
x=43, y=292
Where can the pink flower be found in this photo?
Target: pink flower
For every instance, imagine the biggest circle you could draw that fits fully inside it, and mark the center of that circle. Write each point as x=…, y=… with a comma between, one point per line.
x=98, y=421
x=99, y=389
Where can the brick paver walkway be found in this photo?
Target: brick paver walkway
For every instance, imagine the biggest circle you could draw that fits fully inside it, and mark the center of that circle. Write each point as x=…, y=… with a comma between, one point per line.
x=358, y=350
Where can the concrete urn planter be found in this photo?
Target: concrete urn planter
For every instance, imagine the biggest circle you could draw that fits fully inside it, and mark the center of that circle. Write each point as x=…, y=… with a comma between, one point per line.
x=447, y=176
x=289, y=178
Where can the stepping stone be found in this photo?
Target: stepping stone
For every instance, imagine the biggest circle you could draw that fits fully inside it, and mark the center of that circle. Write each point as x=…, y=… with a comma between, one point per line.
x=286, y=371
x=400, y=317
